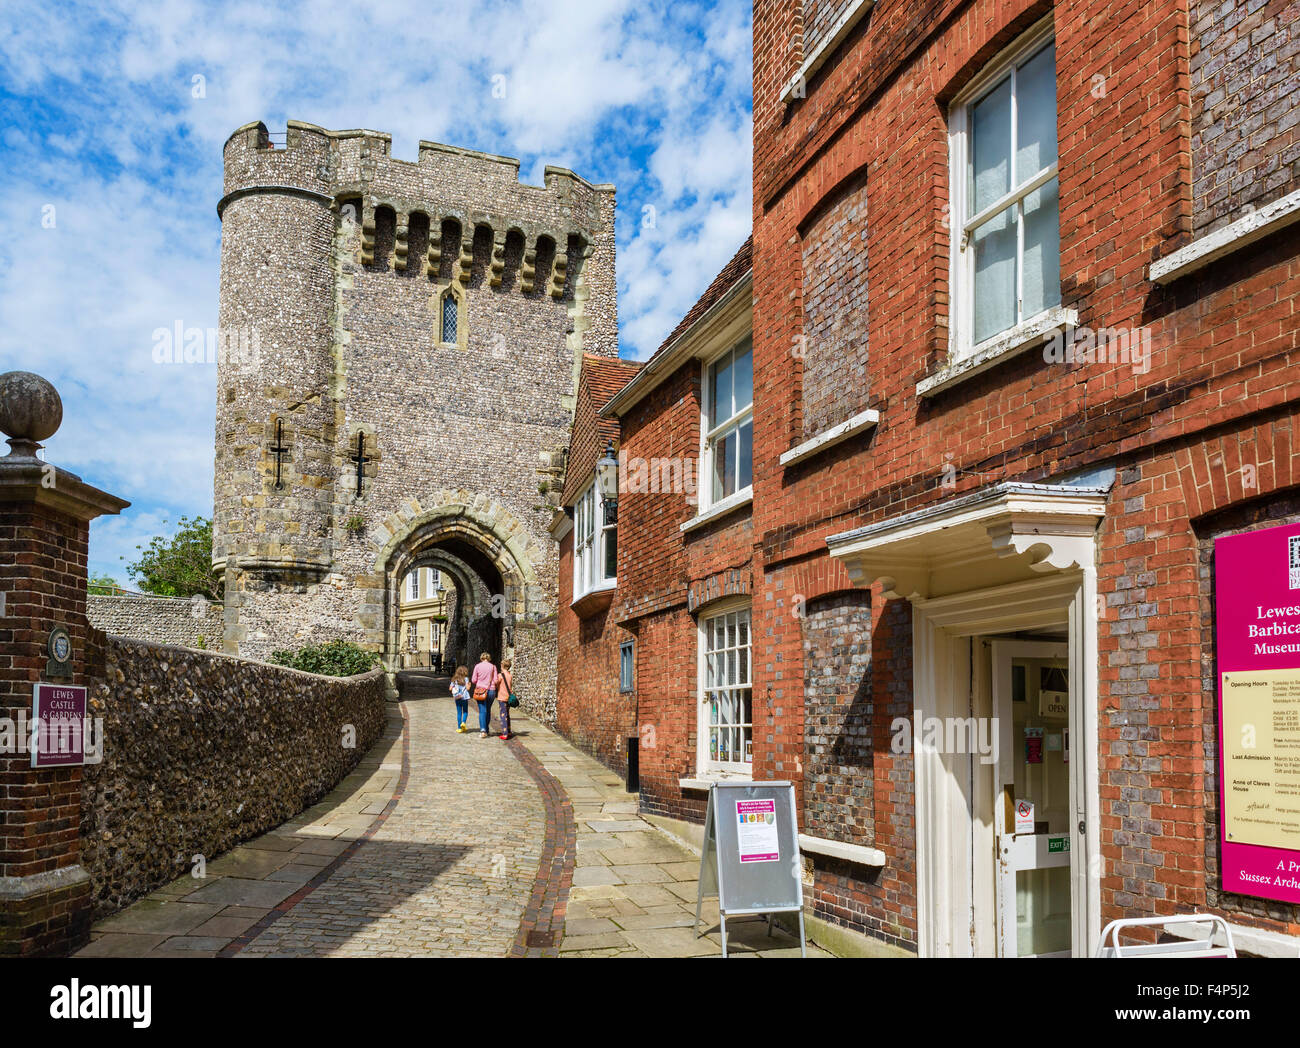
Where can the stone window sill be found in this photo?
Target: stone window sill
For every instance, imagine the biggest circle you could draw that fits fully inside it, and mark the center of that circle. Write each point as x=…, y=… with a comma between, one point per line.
x=704, y=782
x=835, y=435
x=994, y=351
x=856, y=853
x=1242, y=233
x=720, y=509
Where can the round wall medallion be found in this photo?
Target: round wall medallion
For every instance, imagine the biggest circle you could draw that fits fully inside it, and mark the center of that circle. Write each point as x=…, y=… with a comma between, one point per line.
x=60, y=644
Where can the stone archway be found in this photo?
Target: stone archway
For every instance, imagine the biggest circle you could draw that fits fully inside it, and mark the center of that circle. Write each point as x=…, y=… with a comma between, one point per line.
x=489, y=553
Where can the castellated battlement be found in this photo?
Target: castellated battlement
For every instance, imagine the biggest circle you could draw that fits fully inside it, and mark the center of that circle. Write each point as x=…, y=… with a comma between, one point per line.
x=446, y=185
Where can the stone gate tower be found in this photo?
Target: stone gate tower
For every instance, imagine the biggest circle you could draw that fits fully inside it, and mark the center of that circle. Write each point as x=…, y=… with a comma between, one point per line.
x=399, y=350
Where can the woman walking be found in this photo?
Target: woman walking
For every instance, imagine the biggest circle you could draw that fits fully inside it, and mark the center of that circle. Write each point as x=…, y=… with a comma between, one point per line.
x=484, y=680
x=505, y=689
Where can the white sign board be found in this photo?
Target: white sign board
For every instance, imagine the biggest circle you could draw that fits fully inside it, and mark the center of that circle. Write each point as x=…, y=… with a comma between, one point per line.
x=750, y=858
x=1024, y=816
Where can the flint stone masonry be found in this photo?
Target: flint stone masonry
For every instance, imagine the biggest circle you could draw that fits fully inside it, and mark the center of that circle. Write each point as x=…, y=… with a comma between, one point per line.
x=202, y=751
x=161, y=620
x=342, y=259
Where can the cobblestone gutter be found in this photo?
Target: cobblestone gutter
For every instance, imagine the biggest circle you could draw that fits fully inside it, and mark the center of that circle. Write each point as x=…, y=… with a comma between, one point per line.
x=202, y=751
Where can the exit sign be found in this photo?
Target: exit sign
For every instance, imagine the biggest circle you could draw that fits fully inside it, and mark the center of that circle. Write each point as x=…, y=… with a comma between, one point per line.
x=1058, y=844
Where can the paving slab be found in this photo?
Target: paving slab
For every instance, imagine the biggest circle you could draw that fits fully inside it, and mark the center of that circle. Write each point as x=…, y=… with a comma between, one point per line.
x=160, y=916
x=241, y=891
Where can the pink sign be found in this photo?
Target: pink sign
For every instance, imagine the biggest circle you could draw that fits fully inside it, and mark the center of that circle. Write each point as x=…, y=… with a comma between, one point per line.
x=1257, y=606
x=58, y=725
x=757, y=836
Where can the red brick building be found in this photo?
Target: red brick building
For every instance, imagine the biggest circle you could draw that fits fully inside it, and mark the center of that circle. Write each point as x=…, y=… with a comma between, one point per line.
x=591, y=708
x=1025, y=326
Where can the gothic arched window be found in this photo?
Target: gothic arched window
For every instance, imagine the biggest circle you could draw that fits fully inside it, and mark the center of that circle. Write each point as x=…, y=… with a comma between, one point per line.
x=450, y=319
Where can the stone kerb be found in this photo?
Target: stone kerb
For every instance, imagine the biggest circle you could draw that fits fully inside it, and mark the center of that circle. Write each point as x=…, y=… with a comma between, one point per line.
x=203, y=750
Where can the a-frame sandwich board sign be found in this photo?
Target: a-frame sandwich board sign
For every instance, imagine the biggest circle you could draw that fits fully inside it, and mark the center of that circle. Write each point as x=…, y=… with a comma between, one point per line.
x=750, y=858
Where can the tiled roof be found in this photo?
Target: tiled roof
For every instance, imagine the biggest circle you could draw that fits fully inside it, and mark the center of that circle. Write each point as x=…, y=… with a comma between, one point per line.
x=606, y=377
x=601, y=379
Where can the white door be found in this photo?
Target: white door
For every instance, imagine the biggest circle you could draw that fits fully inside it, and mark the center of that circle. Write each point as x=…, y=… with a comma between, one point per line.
x=1031, y=699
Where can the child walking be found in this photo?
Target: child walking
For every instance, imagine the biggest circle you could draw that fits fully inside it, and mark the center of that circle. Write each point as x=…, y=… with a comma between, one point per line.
x=460, y=692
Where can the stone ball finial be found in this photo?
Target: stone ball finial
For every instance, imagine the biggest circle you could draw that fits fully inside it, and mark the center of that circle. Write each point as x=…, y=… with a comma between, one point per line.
x=30, y=408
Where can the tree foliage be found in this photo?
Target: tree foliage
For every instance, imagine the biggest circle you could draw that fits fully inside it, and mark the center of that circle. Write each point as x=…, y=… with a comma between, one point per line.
x=180, y=566
x=337, y=658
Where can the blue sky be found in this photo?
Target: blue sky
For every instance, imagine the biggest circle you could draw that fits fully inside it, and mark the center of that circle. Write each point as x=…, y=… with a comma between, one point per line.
x=112, y=118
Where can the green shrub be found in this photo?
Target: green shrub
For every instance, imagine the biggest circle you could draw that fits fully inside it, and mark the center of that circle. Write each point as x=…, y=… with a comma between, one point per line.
x=337, y=658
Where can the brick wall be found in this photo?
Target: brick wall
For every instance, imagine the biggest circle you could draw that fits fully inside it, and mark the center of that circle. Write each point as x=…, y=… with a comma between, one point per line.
x=1220, y=387
x=43, y=578
x=838, y=718
x=834, y=377
x=1245, y=61
x=819, y=18
x=591, y=711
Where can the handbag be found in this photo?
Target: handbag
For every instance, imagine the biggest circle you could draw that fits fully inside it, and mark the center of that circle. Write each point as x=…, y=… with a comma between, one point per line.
x=514, y=700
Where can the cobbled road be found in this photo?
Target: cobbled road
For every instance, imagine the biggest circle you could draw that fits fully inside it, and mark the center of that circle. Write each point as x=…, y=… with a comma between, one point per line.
x=449, y=871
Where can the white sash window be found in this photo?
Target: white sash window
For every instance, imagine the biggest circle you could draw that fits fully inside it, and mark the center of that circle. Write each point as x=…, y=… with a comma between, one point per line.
x=1006, y=267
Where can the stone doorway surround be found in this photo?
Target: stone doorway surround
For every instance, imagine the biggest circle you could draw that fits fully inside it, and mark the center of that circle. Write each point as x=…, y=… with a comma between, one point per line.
x=1007, y=558
x=489, y=553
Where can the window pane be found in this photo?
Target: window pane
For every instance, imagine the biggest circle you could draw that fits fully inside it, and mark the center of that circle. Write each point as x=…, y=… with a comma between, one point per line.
x=449, y=318
x=995, y=275
x=611, y=553
x=1042, y=280
x=1036, y=115
x=723, y=448
x=746, y=476
x=720, y=392
x=744, y=378
x=991, y=147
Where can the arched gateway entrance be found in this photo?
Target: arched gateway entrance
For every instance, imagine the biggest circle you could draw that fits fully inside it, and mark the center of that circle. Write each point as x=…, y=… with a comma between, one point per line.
x=494, y=564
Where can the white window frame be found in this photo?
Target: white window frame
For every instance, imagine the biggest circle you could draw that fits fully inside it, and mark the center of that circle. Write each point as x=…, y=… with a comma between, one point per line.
x=589, y=555
x=709, y=766
x=413, y=585
x=711, y=430
x=962, y=225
